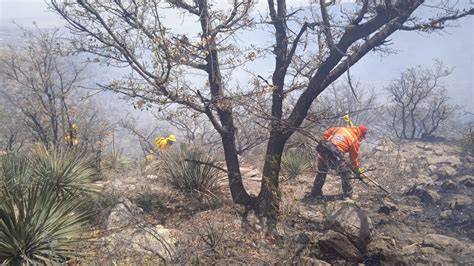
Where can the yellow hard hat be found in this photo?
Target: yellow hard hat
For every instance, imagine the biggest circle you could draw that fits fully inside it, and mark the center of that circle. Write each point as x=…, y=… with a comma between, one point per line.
x=172, y=137
x=346, y=118
x=73, y=125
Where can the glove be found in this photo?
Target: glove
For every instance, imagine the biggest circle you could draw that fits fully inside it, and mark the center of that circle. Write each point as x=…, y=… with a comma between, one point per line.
x=359, y=171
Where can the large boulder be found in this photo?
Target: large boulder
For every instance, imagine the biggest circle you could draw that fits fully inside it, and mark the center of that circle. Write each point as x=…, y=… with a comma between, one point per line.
x=123, y=214
x=352, y=222
x=131, y=235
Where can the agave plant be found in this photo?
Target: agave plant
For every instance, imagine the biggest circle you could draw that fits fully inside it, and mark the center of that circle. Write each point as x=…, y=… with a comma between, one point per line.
x=294, y=163
x=40, y=199
x=190, y=169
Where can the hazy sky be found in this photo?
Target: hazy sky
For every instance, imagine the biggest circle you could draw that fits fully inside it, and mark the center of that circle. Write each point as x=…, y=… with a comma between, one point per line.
x=454, y=47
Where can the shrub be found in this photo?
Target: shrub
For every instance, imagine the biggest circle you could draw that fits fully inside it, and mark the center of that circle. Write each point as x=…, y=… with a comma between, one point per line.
x=190, y=169
x=294, y=163
x=40, y=200
x=149, y=200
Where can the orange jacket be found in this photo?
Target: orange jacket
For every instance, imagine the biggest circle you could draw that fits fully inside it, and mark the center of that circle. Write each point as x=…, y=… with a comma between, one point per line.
x=347, y=139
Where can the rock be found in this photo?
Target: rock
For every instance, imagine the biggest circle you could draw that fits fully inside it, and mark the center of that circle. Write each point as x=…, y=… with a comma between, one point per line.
x=446, y=214
x=435, y=249
x=341, y=244
x=432, y=168
x=382, y=245
x=144, y=240
x=459, y=201
x=467, y=180
x=152, y=177
x=352, y=222
x=409, y=250
x=132, y=235
x=424, y=180
x=310, y=261
x=424, y=147
x=449, y=185
x=424, y=194
x=446, y=171
x=123, y=214
x=442, y=242
x=302, y=238
x=450, y=159
x=469, y=159
x=388, y=207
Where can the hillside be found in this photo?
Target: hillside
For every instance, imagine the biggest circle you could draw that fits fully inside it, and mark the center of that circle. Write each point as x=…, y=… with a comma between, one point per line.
x=428, y=218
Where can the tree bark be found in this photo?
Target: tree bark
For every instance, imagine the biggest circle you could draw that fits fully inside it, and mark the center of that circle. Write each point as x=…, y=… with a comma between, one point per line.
x=270, y=194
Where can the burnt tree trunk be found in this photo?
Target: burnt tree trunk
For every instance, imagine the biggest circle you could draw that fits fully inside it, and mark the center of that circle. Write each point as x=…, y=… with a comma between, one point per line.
x=223, y=107
x=269, y=197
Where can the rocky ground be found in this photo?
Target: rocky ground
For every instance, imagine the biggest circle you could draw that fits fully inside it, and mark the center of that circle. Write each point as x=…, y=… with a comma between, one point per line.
x=427, y=218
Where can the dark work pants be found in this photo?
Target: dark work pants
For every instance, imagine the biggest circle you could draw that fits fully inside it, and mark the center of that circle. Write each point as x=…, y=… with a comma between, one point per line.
x=343, y=171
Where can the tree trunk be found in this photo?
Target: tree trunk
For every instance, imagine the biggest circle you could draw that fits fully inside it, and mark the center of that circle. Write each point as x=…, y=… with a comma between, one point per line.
x=239, y=194
x=224, y=111
x=404, y=124
x=270, y=194
x=413, y=122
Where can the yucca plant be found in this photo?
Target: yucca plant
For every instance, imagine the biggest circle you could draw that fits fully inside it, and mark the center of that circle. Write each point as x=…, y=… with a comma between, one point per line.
x=39, y=226
x=70, y=171
x=40, y=200
x=190, y=169
x=294, y=163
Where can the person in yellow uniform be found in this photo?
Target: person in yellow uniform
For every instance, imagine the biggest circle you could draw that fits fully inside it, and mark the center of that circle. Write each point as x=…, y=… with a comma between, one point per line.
x=72, y=136
x=162, y=143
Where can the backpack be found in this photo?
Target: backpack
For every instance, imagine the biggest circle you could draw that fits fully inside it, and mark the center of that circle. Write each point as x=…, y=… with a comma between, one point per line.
x=330, y=152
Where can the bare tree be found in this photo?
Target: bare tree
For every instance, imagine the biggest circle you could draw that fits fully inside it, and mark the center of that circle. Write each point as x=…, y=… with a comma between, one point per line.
x=309, y=53
x=419, y=101
x=40, y=84
x=12, y=133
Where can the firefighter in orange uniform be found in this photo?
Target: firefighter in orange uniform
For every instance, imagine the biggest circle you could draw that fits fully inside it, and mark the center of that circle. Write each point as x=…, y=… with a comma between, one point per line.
x=337, y=142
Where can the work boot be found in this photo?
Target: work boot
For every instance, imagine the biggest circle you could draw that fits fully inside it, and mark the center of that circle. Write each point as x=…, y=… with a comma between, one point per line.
x=310, y=197
x=347, y=195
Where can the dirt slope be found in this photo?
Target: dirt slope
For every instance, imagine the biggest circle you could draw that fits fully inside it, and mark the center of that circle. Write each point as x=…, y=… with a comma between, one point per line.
x=428, y=218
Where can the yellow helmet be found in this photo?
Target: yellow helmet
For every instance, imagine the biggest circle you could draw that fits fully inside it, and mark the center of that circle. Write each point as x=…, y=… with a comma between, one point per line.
x=172, y=138
x=74, y=126
x=346, y=117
